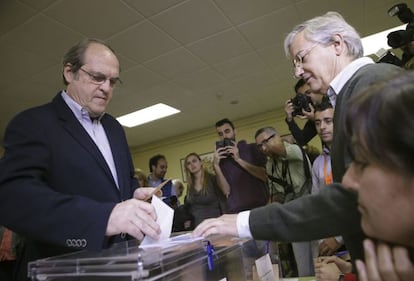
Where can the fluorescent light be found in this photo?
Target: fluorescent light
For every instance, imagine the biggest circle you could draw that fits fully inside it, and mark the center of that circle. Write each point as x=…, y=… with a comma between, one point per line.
x=146, y=115
x=373, y=43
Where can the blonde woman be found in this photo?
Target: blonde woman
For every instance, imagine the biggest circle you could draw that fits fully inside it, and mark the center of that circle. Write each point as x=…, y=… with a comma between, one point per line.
x=204, y=197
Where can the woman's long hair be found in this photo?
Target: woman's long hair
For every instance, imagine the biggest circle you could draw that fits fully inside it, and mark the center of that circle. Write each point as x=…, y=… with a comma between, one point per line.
x=191, y=178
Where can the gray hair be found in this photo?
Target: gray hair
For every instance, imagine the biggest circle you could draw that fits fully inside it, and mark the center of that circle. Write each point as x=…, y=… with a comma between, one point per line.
x=322, y=30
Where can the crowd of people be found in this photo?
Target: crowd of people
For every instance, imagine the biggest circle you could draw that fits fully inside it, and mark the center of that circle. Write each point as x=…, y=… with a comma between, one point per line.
x=71, y=159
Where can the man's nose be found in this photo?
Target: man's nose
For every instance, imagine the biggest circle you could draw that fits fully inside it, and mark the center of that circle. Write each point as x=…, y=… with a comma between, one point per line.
x=298, y=72
x=106, y=86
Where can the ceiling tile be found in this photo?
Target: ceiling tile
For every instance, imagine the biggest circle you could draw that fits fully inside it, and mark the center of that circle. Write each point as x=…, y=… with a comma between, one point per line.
x=199, y=80
x=241, y=66
x=20, y=65
x=39, y=4
x=8, y=21
x=152, y=7
x=244, y=10
x=138, y=78
x=262, y=31
x=174, y=63
x=255, y=80
x=38, y=34
x=142, y=42
x=187, y=22
x=91, y=17
x=220, y=47
x=352, y=10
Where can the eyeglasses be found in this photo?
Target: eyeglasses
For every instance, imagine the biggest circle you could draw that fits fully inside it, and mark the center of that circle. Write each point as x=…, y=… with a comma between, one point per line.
x=99, y=78
x=265, y=141
x=298, y=59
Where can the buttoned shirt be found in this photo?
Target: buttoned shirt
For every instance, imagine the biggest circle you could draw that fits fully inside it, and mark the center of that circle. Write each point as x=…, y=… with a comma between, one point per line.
x=95, y=130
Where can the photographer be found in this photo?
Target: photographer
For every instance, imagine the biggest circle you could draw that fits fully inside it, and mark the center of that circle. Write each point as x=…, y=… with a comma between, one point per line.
x=240, y=170
x=302, y=108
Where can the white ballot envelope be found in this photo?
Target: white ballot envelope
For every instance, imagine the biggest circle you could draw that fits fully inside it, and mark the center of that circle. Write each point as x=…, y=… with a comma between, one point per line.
x=165, y=216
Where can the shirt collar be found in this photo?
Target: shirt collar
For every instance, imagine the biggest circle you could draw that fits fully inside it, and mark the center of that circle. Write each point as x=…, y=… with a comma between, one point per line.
x=325, y=150
x=80, y=112
x=339, y=81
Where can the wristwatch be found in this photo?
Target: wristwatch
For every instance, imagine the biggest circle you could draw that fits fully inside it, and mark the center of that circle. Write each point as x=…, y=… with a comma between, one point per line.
x=341, y=277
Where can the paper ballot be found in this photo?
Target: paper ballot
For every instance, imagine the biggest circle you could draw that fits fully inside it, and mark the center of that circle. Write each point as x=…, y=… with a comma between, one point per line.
x=165, y=216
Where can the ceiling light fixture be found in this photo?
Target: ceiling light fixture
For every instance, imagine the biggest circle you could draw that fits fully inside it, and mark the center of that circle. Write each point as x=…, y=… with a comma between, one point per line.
x=146, y=115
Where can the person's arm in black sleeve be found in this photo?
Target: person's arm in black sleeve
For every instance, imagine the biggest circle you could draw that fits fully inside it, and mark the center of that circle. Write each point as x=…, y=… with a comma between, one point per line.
x=296, y=132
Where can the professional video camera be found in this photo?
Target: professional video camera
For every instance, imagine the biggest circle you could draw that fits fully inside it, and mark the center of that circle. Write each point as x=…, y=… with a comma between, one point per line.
x=300, y=101
x=399, y=38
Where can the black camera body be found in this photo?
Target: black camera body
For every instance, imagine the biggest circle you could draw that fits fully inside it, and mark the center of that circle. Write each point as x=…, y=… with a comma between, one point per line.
x=399, y=38
x=224, y=143
x=300, y=101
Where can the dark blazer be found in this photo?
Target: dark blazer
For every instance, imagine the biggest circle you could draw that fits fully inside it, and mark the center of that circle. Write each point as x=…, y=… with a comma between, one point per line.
x=333, y=211
x=56, y=189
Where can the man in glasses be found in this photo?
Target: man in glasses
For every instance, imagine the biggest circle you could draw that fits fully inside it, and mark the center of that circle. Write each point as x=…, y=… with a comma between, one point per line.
x=289, y=173
x=327, y=54
x=67, y=178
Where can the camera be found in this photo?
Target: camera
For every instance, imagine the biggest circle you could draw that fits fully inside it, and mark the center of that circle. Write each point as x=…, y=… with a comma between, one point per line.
x=399, y=38
x=300, y=101
x=225, y=142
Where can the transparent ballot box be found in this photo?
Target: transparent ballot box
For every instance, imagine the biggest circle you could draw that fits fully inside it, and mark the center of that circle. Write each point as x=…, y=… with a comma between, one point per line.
x=218, y=258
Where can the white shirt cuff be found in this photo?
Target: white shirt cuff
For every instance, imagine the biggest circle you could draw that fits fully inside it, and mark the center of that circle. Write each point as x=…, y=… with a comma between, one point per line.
x=243, y=228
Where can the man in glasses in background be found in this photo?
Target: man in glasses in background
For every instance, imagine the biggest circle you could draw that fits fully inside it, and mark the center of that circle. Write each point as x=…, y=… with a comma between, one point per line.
x=67, y=178
x=289, y=172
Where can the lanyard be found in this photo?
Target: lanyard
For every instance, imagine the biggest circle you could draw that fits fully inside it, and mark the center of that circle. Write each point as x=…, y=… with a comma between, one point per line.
x=327, y=176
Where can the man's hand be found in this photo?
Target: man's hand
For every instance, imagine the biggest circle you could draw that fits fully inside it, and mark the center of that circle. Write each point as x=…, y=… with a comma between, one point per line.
x=142, y=193
x=384, y=262
x=219, y=154
x=343, y=265
x=226, y=225
x=233, y=150
x=326, y=271
x=310, y=115
x=328, y=246
x=225, y=152
x=329, y=268
x=289, y=110
x=135, y=217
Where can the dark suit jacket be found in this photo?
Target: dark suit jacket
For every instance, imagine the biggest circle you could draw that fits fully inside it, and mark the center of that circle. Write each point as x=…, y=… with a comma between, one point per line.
x=55, y=185
x=334, y=210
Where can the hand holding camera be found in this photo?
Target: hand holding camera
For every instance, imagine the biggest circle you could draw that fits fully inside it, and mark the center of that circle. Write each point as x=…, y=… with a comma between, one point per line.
x=301, y=106
x=225, y=148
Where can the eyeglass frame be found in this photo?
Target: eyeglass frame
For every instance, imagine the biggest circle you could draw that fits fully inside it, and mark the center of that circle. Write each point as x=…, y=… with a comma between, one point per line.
x=298, y=59
x=100, y=78
x=265, y=141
